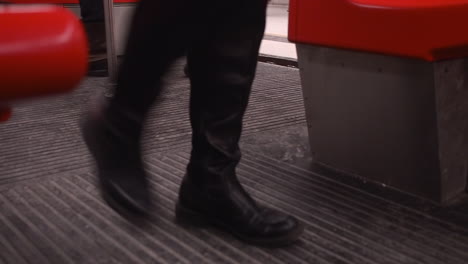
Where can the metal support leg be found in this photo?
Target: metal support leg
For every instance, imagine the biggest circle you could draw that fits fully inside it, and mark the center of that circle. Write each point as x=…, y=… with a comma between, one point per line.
x=110, y=39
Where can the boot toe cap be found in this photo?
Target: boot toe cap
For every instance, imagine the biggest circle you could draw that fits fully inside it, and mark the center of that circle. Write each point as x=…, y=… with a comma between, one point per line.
x=280, y=224
x=131, y=201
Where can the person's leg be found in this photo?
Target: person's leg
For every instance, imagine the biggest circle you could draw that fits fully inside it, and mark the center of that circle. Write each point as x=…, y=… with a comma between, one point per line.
x=92, y=11
x=92, y=16
x=222, y=65
x=113, y=132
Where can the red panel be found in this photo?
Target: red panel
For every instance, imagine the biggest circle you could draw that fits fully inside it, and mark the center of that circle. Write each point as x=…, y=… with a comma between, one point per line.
x=293, y=17
x=43, y=50
x=408, y=3
x=426, y=29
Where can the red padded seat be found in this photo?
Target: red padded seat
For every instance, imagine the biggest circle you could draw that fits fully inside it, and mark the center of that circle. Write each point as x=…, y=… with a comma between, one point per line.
x=426, y=29
x=43, y=51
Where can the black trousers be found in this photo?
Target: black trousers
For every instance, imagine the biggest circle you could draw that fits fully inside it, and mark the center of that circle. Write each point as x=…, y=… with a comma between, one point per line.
x=92, y=10
x=221, y=39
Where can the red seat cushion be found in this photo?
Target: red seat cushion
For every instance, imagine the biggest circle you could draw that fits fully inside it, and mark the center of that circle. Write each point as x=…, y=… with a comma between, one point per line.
x=426, y=29
x=43, y=50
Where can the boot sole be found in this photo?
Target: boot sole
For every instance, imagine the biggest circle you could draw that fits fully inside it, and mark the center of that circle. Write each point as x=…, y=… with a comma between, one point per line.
x=188, y=217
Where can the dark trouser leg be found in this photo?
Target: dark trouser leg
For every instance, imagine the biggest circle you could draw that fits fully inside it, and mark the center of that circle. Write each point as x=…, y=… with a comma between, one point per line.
x=92, y=16
x=158, y=36
x=92, y=10
x=113, y=132
x=222, y=64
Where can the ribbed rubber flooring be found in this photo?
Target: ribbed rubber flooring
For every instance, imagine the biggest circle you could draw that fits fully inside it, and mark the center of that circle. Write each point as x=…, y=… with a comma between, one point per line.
x=51, y=212
x=43, y=137
x=61, y=219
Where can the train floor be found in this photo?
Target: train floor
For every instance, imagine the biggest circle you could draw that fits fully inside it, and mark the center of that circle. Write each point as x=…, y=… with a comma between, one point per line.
x=51, y=212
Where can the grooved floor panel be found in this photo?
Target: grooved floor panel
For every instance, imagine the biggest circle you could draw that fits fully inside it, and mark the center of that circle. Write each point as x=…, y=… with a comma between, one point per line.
x=43, y=137
x=51, y=211
x=62, y=219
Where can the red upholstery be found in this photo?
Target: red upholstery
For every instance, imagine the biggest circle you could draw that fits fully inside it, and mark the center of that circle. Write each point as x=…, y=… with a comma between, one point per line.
x=426, y=29
x=43, y=51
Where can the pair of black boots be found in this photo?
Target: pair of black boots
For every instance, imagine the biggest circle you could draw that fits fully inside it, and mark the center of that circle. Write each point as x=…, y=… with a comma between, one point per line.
x=222, y=59
x=210, y=193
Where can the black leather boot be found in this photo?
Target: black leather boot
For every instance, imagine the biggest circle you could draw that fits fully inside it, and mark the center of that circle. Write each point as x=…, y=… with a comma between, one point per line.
x=222, y=70
x=112, y=136
x=223, y=203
